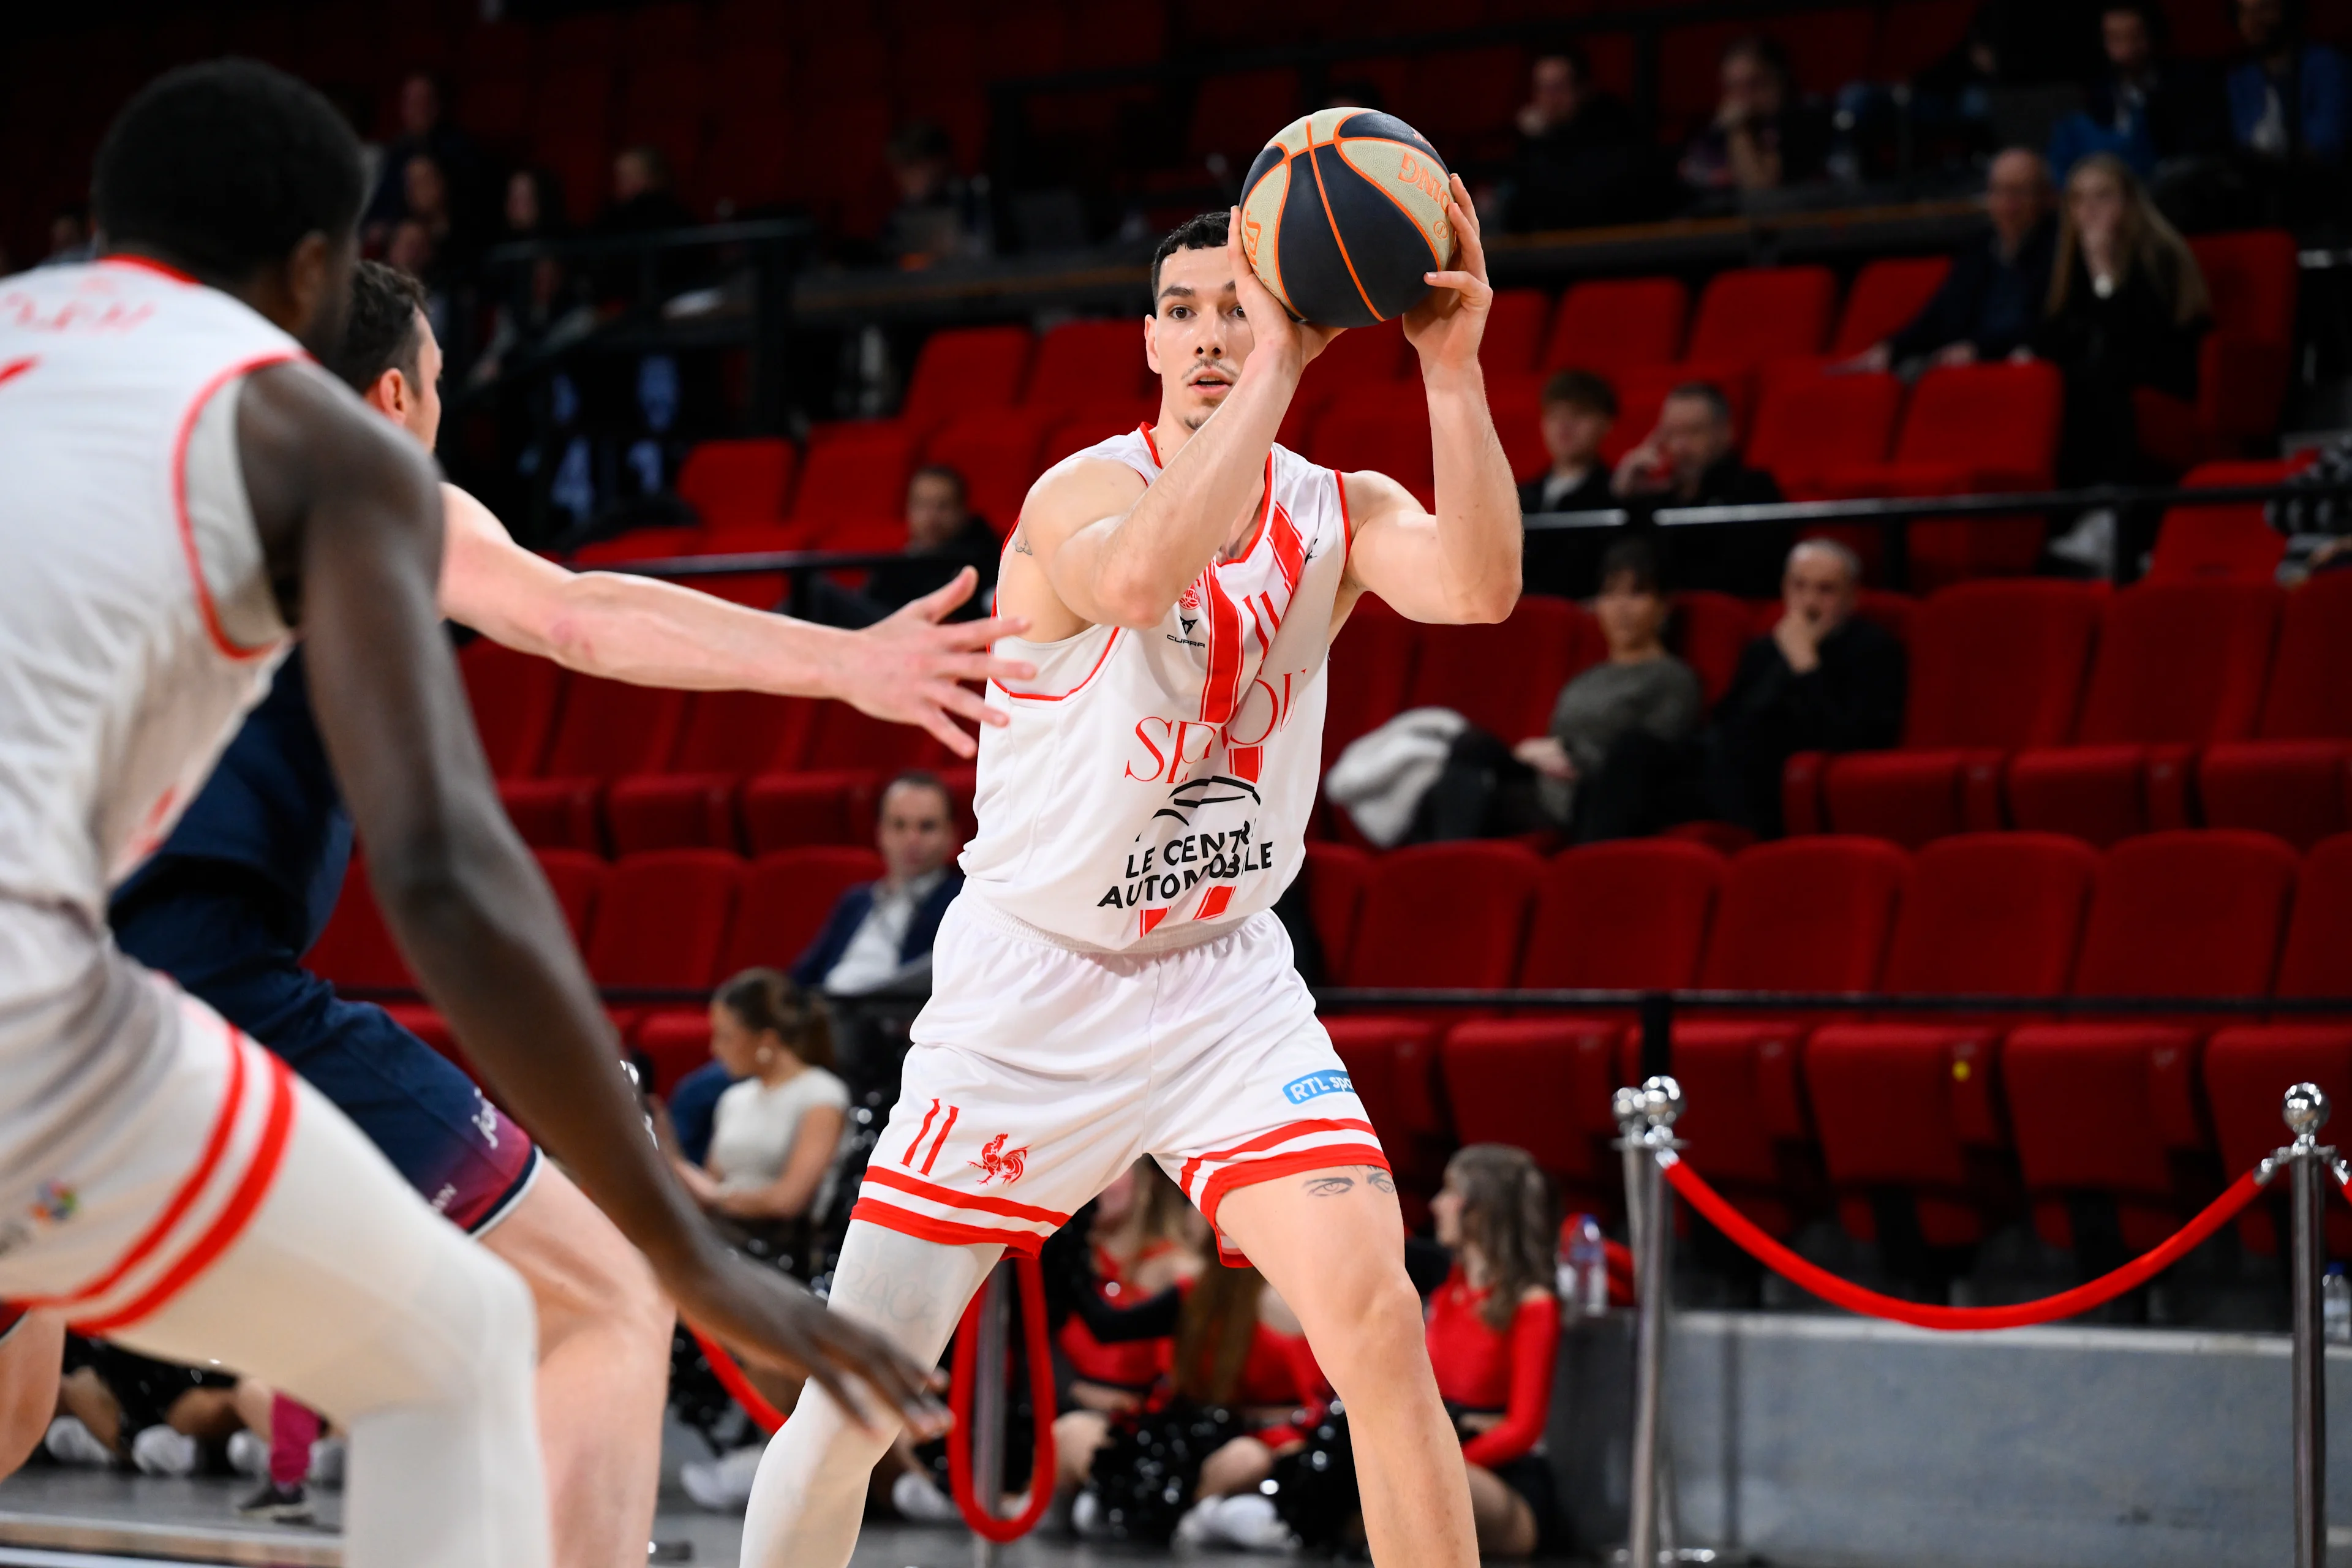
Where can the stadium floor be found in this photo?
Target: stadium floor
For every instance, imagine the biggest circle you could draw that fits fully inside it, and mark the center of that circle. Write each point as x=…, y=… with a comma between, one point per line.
x=78, y=1519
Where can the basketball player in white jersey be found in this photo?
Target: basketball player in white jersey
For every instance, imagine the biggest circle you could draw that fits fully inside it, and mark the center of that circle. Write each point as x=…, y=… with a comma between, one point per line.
x=184, y=489
x=1112, y=980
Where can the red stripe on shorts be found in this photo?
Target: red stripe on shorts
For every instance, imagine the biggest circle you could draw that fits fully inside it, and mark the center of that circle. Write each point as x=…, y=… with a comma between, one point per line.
x=1282, y=1134
x=268, y=1155
x=941, y=1141
x=947, y=1232
x=216, y=1145
x=1249, y=1173
x=986, y=1203
x=920, y=1133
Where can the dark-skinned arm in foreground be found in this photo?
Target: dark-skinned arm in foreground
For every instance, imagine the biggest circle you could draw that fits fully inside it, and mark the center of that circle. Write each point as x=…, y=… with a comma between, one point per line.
x=350, y=514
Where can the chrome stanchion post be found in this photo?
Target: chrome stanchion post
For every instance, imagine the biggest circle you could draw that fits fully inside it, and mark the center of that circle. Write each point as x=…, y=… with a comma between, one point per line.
x=988, y=1405
x=2306, y=1111
x=1647, y=1116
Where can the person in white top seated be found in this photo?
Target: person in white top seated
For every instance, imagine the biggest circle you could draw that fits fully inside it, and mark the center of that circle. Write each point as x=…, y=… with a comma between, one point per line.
x=776, y=1129
x=879, y=934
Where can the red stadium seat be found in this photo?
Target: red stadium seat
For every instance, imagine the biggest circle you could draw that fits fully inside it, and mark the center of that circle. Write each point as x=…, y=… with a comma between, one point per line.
x=663, y=918
x=1709, y=632
x=1077, y=428
x=1616, y=324
x=356, y=950
x=2295, y=778
x=1805, y=914
x=1084, y=363
x=1913, y=1105
x=2232, y=544
x=726, y=736
x=2243, y=363
x=1994, y=666
x=1751, y=314
x=733, y=482
x=1384, y=427
x=1505, y=676
x=855, y=474
x=1806, y=429
x=961, y=369
x=606, y=730
x=2178, y=667
x=1886, y=298
x=1632, y=915
x=576, y=877
x=788, y=811
x=2111, y=1108
x=998, y=454
x=1371, y=670
x=1515, y=332
x=1335, y=875
x=1235, y=111
x=786, y=900
x=1365, y=357
x=514, y=696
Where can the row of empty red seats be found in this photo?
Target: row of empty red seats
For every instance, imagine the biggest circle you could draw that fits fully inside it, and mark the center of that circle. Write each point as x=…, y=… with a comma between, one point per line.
x=677, y=920
x=998, y=405
x=2063, y=707
x=1978, y=1118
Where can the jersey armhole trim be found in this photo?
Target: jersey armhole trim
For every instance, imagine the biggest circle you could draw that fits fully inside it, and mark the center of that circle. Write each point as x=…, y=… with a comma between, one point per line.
x=148, y=264
x=214, y=628
x=1347, y=523
x=1073, y=691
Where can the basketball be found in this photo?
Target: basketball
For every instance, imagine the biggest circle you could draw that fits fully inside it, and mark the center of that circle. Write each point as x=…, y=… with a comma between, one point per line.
x=1342, y=212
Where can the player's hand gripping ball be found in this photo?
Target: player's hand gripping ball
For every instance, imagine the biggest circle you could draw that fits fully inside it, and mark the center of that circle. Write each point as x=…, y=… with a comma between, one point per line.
x=1343, y=214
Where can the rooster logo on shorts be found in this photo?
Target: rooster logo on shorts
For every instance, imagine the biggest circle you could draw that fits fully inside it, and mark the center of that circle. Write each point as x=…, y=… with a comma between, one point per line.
x=995, y=1160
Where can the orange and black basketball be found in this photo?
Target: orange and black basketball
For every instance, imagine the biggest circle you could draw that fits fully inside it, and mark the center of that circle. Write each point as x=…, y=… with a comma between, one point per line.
x=1342, y=214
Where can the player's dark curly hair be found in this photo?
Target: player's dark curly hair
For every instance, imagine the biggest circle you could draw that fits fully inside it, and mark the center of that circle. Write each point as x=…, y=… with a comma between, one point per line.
x=1207, y=232
x=766, y=999
x=1509, y=1220
x=382, y=333
x=224, y=167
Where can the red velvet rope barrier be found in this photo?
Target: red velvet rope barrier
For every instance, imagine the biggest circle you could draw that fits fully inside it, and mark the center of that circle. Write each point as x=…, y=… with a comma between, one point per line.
x=1870, y=1303
x=739, y=1387
x=985, y=1523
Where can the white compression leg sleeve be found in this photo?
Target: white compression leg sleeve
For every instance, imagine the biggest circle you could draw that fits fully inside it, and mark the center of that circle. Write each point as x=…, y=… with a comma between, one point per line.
x=810, y=1490
x=349, y=1294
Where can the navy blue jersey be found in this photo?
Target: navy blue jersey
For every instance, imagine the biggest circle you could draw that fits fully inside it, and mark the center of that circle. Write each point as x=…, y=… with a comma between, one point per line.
x=272, y=806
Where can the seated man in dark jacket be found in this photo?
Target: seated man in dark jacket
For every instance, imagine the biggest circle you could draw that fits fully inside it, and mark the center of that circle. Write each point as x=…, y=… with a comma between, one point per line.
x=1691, y=458
x=1824, y=680
x=943, y=537
x=1993, y=298
x=878, y=937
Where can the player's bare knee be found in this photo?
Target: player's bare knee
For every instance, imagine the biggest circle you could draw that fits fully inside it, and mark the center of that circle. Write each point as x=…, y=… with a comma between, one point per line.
x=1370, y=1334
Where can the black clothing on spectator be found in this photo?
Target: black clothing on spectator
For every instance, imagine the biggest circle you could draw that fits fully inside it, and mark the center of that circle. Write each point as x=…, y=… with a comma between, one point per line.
x=618, y=278
x=1851, y=702
x=1988, y=300
x=462, y=165
x=1595, y=169
x=1801, y=133
x=1566, y=562
x=2107, y=347
x=1745, y=560
x=894, y=586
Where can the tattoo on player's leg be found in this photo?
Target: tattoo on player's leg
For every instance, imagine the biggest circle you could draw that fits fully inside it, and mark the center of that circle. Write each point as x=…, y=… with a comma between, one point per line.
x=1329, y=1186
x=893, y=1298
x=1378, y=1180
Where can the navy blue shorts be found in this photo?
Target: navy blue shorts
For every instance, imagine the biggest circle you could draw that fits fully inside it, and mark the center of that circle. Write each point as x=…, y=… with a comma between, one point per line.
x=220, y=932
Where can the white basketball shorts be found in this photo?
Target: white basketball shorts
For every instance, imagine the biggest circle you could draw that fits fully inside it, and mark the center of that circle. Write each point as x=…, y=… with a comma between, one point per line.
x=1039, y=1071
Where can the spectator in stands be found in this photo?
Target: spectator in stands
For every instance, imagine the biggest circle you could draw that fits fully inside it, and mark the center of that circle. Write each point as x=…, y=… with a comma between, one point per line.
x=425, y=131
x=2143, y=108
x=645, y=198
x=1691, y=458
x=1581, y=160
x=2290, y=102
x=1764, y=135
x=1639, y=689
x=537, y=300
x=940, y=216
x=1824, y=680
x=1578, y=409
x=778, y=1126
x=2318, y=527
x=879, y=934
x=1993, y=298
x=2127, y=309
x=943, y=537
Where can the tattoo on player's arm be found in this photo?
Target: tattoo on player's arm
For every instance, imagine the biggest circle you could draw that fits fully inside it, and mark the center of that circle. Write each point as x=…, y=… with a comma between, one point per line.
x=1021, y=544
x=1379, y=1179
x=1329, y=1186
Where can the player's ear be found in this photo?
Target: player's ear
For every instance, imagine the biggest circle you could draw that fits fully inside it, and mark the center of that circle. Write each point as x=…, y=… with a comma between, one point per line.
x=388, y=393
x=1151, y=341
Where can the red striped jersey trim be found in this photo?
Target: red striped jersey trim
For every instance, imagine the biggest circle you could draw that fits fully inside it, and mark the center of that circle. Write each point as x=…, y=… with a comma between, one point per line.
x=1215, y=902
x=1073, y=691
x=214, y=628
x=947, y=1232
x=883, y=1175
x=1221, y=691
x=1249, y=1173
x=1282, y=1134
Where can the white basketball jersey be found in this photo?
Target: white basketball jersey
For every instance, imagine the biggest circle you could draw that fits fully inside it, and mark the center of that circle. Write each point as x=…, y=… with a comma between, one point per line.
x=137, y=624
x=1153, y=787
